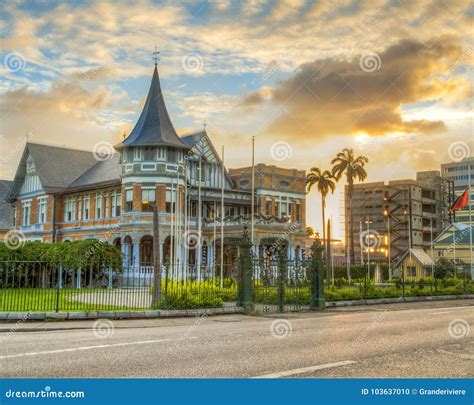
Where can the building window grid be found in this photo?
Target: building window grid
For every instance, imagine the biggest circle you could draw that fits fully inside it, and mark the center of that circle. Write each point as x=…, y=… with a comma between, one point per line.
x=42, y=206
x=107, y=206
x=26, y=213
x=86, y=201
x=148, y=199
x=128, y=200
x=69, y=209
x=98, y=206
x=116, y=204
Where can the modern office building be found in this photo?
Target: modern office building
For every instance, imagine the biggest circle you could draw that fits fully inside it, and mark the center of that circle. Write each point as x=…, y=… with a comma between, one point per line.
x=389, y=217
x=459, y=173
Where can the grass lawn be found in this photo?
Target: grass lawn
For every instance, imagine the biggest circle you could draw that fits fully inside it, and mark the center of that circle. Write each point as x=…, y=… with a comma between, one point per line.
x=196, y=295
x=37, y=299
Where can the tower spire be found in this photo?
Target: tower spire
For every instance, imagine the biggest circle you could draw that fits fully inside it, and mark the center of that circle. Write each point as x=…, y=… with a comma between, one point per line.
x=156, y=56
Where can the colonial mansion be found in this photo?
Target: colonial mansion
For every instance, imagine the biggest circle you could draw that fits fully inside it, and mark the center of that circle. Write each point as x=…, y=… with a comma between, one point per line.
x=60, y=194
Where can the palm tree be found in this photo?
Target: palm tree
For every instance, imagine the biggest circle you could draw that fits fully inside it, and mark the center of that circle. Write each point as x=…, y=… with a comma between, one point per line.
x=353, y=167
x=324, y=180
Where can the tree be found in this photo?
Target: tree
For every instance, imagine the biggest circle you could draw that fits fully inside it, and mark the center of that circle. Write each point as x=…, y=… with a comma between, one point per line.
x=353, y=167
x=324, y=181
x=309, y=231
x=444, y=268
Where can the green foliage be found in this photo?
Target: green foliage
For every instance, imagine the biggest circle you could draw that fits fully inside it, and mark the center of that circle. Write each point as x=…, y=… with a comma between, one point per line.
x=444, y=268
x=196, y=294
x=71, y=255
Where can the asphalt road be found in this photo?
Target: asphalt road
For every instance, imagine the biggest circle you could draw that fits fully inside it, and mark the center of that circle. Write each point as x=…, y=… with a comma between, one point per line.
x=400, y=340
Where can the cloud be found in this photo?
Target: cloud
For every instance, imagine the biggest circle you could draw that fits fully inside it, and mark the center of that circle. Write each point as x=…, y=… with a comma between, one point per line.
x=364, y=94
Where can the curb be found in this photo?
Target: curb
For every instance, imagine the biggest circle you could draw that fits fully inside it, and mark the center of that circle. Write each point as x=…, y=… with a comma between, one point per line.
x=377, y=301
x=158, y=313
x=174, y=313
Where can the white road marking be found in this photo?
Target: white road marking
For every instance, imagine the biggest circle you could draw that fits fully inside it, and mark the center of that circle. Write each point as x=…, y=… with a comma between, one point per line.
x=306, y=369
x=74, y=349
x=461, y=309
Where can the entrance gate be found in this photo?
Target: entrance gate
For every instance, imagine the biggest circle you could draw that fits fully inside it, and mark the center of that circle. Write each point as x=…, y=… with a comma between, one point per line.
x=277, y=284
x=281, y=285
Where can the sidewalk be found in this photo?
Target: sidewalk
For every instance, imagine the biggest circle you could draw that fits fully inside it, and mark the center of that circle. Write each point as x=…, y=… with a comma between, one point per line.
x=162, y=313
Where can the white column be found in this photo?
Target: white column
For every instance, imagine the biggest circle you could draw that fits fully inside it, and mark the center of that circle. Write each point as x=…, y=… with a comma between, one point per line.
x=78, y=278
x=60, y=277
x=43, y=277
x=125, y=252
x=136, y=254
x=109, y=274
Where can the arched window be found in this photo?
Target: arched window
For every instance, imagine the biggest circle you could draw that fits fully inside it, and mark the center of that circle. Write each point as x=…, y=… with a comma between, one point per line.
x=146, y=251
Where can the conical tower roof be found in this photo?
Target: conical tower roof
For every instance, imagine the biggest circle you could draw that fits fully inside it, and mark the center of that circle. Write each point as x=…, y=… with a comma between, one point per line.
x=154, y=127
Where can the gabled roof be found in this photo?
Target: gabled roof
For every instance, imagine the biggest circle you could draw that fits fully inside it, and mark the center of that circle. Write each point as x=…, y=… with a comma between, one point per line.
x=420, y=255
x=194, y=138
x=457, y=231
x=102, y=173
x=58, y=168
x=6, y=210
x=199, y=140
x=154, y=127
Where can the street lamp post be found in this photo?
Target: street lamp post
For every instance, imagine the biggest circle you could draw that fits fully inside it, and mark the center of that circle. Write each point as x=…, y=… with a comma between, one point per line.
x=368, y=246
x=387, y=214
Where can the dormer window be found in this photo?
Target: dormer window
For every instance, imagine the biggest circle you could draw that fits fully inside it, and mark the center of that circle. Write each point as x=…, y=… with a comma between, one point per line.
x=149, y=154
x=137, y=154
x=172, y=155
x=161, y=153
x=30, y=166
x=129, y=155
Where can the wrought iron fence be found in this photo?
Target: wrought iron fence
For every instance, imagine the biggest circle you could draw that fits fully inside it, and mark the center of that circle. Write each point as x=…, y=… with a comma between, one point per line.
x=41, y=286
x=277, y=285
x=281, y=284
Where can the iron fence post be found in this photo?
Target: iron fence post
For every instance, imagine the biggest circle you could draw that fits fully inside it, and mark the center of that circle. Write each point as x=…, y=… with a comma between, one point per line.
x=317, y=277
x=282, y=268
x=59, y=286
x=245, y=293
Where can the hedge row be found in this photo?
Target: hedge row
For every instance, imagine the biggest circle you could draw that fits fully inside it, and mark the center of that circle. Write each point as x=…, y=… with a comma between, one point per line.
x=70, y=254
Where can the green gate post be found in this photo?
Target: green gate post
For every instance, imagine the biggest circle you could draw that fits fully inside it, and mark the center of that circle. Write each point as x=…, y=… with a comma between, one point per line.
x=317, y=277
x=245, y=293
x=282, y=270
x=59, y=277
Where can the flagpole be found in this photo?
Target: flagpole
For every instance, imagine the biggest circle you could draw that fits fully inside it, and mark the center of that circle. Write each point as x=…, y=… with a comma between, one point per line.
x=470, y=219
x=214, y=244
x=186, y=247
x=222, y=220
x=173, y=237
x=199, y=252
x=432, y=257
x=253, y=191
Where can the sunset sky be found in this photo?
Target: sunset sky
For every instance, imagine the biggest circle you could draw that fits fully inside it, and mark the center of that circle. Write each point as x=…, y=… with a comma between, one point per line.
x=391, y=79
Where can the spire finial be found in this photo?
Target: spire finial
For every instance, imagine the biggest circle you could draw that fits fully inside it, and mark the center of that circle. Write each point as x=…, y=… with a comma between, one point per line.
x=204, y=124
x=156, y=55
